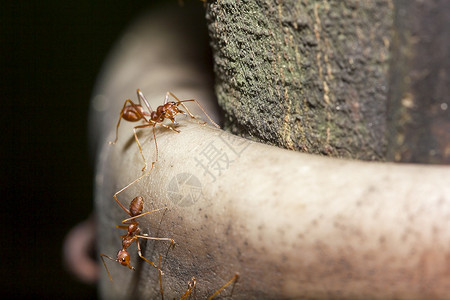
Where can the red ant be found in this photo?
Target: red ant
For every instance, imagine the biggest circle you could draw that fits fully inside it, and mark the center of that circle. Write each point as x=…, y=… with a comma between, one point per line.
x=133, y=235
x=133, y=112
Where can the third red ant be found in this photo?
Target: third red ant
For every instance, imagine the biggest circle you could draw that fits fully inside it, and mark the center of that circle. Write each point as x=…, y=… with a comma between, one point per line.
x=193, y=283
x=133, y=112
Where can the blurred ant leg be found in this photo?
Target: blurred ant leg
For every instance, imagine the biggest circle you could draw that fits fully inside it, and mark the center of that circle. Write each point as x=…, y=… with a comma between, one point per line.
x=188, y=111
x=191, y=286
x=141, y=256
x=142, y=97
x=102, y=256
x=234, y=279
x=127, y=186
x=139, y=144
x=160, y=279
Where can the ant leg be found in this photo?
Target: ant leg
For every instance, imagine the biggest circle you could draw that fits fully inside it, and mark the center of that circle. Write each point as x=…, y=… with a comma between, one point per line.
x=235, y=279
x=194, y=117
x=143, y=214
x=160, y=279
x=156, y=239
x=141, y=256
x=139, y=144
x=102, y=256
x=169, y=127
x=191, y=286
x=120, y=118
x=190, y=114
x=127, y=186
x=156, y=144
x=142, y=97
x=154, y=136
x=166, y=99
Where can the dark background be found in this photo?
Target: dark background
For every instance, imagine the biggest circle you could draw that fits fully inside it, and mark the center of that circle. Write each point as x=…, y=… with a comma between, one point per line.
x=50, y=56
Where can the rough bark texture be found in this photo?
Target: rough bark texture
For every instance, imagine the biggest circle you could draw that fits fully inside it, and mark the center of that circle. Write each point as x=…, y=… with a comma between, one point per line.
x=418, y=111
x=304, y=75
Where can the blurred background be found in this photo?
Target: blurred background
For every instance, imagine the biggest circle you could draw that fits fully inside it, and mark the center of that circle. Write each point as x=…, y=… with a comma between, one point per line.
x=50, y=56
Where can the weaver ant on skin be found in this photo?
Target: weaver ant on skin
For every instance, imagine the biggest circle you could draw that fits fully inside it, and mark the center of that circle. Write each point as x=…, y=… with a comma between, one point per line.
x=133, y=112
x=133, y=234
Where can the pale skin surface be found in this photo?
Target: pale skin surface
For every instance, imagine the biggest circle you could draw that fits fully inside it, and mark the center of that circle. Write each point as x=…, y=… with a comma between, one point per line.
x=293, y=225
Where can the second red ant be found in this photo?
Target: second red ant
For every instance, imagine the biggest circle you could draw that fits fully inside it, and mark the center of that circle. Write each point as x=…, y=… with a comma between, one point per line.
x=133, y=234
x=133, y=112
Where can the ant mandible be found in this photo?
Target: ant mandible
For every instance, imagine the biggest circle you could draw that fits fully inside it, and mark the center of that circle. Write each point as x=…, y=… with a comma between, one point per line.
x=133, y=112
x=133, y=234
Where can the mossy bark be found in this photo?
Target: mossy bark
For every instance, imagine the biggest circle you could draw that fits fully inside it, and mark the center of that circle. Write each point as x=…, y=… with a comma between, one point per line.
x=305, y=75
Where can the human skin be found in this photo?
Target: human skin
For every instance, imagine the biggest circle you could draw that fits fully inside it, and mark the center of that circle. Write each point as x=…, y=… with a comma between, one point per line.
x=292, y=225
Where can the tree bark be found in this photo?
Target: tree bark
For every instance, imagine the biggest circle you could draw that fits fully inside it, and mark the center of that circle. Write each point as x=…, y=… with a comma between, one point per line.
x=304, y=75
x=315, y=76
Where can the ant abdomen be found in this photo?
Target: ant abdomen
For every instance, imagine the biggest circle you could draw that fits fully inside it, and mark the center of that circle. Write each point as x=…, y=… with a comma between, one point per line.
x=137, y=206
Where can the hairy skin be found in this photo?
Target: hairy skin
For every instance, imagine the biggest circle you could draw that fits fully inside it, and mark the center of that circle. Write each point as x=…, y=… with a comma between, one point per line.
x=293, y=225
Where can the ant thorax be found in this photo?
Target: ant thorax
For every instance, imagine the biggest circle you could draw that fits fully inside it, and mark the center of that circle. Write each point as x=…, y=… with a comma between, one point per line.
x=157, y=116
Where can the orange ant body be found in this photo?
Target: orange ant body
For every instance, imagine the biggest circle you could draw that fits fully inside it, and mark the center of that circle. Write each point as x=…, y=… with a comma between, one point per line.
x=133, y=112
x=133, y=234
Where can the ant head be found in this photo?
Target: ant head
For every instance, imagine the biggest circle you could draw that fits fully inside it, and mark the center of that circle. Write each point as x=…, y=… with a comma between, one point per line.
x=123, y=257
